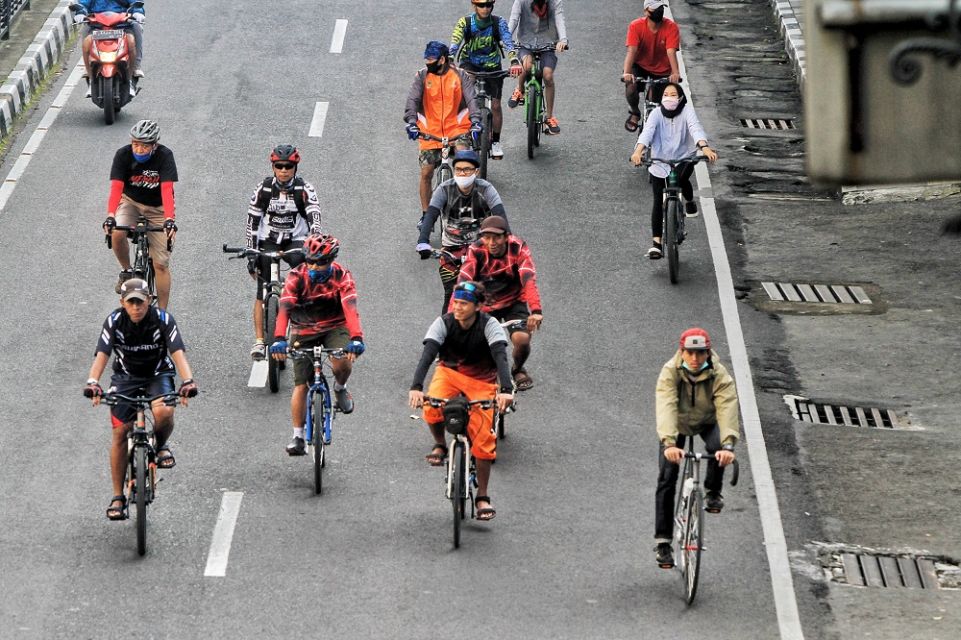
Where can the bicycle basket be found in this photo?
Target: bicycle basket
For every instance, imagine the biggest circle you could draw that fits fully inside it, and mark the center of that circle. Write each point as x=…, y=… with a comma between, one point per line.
x=456, y=416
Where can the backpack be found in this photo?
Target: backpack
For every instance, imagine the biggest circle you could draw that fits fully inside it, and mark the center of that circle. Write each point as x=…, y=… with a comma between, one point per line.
x=300, y=198
x=496, y=30
x=456, y=415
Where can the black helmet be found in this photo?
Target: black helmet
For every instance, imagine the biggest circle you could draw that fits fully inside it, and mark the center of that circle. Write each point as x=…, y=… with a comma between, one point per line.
x=285, y=152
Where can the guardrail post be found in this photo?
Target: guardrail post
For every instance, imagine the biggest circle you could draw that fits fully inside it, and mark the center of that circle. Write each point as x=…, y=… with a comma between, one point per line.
x=4, y=19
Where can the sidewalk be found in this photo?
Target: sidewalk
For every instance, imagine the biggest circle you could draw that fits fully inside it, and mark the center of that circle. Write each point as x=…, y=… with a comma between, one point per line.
x=790, y=15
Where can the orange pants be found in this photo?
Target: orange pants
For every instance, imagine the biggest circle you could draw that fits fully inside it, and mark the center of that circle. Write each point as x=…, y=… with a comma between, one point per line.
x=447, y=383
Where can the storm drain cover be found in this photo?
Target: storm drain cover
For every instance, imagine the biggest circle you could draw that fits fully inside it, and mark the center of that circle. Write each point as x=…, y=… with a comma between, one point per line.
x=781, y=124
x=837, y=414
x=817, y=293
x=902, y=569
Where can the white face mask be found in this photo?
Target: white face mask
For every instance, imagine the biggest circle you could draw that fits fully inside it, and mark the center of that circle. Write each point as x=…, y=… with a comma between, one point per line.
x=670, y=103
x=464, y=182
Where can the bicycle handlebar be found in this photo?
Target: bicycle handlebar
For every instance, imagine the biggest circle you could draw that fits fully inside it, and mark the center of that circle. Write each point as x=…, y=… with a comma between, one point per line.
x=694, y=158
x=437, y=403
x=137, y=229
x=544, y=48
x=113, y=399
x=244, y=252
x=735, y=467
x=518, y=323
x=648, y=79
x=315, y=352
x=487, y=75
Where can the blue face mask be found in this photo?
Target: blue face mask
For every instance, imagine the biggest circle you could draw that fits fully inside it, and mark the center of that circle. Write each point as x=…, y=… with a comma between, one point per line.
x=142, y=157
x=704, y=366
x=319, y=276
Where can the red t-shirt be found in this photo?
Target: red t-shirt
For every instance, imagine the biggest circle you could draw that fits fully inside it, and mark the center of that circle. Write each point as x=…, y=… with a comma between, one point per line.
x=652, y=47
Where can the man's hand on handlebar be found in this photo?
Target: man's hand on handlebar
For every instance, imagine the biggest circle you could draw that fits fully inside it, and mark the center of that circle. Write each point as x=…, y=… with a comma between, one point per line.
x=188, y=389
x=94, y=391
x=424, y=250
x=109, y=224
x=560, y=46
x=413, y=131
x=724, y=457
x=674, y=454
x=278, y=350
x=637, y=158
x=415, y=399
x=534, y=322
x=516, y=68
x=504, y=401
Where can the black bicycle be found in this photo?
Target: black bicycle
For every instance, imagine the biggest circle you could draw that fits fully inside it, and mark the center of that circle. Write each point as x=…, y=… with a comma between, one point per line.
x=141, y=473
x=673, y=233
x=688, y=524
x=273, y=286
x=481, y=79
x=142, y=262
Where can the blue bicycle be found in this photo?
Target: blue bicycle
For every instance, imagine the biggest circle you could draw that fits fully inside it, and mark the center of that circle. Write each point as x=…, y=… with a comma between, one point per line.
x=320, y=410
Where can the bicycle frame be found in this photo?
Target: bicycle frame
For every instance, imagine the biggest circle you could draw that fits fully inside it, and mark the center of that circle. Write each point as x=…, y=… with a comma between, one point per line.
x=142, y=263
x=319, y=386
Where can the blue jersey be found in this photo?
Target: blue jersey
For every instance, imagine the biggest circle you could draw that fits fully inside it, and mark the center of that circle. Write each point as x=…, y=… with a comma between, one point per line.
x=481, y=44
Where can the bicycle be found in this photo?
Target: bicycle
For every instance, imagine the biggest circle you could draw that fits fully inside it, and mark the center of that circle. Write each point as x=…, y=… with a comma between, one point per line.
x=461, y=466
x=535, y=111
x=487, y=118
x=673, y=232
x=649, y=102
x=141, y=478
x=142, y=263
x=273, y=286
x=688, y=525
x=445, y=170
x=320, y=415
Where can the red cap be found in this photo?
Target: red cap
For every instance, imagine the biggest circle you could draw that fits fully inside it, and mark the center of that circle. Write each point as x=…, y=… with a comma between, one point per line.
x=695, y=338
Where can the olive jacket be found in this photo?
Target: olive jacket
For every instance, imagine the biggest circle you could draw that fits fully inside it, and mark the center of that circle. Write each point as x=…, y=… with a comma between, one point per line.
x=688, y=408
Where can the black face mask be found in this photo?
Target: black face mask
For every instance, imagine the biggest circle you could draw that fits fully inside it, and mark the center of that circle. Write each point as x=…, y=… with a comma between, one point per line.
x=657, y=15
x=437, y=68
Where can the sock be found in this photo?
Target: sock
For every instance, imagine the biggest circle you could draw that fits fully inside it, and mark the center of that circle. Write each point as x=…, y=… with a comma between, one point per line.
x=299, y=433
x=338, y=386
x=496, y=136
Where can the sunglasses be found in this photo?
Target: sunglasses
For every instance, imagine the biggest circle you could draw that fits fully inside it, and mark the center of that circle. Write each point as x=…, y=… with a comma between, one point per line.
x=484, y=5
x=318, y=263
x=284, y=166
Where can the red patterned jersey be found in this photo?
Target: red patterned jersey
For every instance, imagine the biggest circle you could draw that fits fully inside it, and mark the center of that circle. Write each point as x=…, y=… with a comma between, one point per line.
x=318, y=307
x=509, y=279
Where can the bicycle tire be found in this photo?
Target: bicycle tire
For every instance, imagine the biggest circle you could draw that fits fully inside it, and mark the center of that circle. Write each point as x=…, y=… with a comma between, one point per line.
x=458, y=490
x=270, y=324
x=443, y=174
x=531, y=106
x=487, y=120
x=140, y=496
x=670, y=239
x=317, y=440
x=692, y=545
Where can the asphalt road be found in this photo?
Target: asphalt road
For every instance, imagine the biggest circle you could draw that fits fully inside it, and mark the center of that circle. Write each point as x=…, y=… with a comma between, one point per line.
x=569, y=555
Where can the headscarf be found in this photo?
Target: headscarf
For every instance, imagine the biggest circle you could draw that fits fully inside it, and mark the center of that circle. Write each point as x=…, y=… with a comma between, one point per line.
x=682, y=100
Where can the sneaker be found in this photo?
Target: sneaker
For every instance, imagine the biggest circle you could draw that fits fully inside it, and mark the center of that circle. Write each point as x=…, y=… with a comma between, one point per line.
x=125, y=275
x=133, y=89
x=664, y=556
x=345, y=401
x=690, y=209
x=551, y=127
x=296, y=447
x=713, y=502
x=89, y=90
x=138, y=73
x=516, y=98
x=259, y=350
x=654, y=253
x=497, y=151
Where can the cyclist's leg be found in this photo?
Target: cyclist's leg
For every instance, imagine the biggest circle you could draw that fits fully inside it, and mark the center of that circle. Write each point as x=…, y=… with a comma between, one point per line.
x=448, y=275
x=632, y=92
x=159, y=254
x=163, y=415
x=303, y=375
x=657, y=207
x=126, y=216
x=138, y=42
x=548, y=64
x=685, y=171
x=121, y=420
x=442, y=385
x=520, y=339
x=715, y=472
x=263, y=272
x=428, y=160
x=667, y=473
x=341, y=367
x=480, y=428
x=497, y=113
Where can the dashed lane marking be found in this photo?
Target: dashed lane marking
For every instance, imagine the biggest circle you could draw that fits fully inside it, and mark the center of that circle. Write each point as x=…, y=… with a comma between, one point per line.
x=317, y=122
x=223, y=535
x=340, y=31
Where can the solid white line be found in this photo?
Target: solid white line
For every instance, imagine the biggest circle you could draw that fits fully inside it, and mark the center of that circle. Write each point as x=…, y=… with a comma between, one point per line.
x=317, y=122
x=782, y=581
x=340, y=31
x=223, y=535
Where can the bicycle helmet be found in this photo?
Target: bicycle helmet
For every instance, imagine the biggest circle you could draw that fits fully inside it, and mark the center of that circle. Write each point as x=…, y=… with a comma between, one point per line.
x=321, y=248
x=145, y=131
x=469, y=291
x=285, y=153
x=695, y=339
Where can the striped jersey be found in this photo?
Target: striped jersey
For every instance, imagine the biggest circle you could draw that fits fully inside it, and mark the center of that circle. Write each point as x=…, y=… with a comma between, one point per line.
x=141, y=349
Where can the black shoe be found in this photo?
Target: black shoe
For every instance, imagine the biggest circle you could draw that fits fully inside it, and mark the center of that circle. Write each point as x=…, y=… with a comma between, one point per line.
x=296, y=447
x=690, y=209
x=345, y=401
x=125, y=275
x=664, y=556
x=714, y=502
x=654, y=253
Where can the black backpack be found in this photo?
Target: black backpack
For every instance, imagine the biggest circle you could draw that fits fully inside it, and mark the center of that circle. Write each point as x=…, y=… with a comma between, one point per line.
x=456, y=415
x=300, y=198
x=496, y=30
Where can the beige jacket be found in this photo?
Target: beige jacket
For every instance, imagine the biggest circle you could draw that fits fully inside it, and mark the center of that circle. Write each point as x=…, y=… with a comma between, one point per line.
x=683, y=407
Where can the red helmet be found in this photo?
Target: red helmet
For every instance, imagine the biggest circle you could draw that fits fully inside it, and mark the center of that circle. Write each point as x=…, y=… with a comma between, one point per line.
x=695, y=339
x=285, y=153
x=321, y=248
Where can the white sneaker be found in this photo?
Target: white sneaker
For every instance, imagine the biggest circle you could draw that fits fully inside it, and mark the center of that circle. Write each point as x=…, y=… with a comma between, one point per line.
x=138, y=73
x=133, y=90
x=496, y=150
x=88, y=93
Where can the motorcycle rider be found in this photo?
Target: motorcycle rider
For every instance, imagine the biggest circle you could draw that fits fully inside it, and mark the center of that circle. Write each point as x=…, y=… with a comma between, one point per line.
x=86, y=8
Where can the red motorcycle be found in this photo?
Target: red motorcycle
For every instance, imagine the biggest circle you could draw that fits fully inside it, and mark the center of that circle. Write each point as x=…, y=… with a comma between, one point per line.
x=109, y=56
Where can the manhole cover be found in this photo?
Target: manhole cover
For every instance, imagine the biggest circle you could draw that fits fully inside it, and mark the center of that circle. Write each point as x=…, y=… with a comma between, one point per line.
x=863, y=567
x=780, y=124
x=827, y=293
x=813, y=298
x=807, y=410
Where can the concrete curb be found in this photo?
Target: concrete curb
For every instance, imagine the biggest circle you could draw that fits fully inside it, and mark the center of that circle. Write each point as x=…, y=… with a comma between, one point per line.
x=790, y=28
x=40, y=57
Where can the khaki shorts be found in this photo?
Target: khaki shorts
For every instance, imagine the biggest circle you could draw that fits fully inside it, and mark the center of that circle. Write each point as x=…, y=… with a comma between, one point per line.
x=304, y=367
x=431, y=157
x=129, y=212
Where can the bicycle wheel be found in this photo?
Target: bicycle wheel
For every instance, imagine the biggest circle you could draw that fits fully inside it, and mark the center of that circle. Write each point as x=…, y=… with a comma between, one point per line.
x=140, y=495
x=670, y=238
x=441, y=175
x=533, y=126
x=317, y=440
x=270, y=323
x=692, y=544
x=458, y=492
x=487, y=120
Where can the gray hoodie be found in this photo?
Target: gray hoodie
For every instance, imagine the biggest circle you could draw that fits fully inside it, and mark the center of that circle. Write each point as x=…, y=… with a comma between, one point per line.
x=529, y=31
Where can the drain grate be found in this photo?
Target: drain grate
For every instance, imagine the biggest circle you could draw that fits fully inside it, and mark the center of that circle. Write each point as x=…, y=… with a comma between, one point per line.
x=781, y=124
x=874, y=570
x=840, y=415
x=815, y=293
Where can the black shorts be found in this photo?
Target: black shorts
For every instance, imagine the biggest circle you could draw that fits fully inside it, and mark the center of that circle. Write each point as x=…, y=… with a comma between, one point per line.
x=134, y=386
x=657, y=89
x=495, y=88
x=263, y=264
x=517, y=311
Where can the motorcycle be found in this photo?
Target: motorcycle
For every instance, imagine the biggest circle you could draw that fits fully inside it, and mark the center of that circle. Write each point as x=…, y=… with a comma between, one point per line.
x=110, y=80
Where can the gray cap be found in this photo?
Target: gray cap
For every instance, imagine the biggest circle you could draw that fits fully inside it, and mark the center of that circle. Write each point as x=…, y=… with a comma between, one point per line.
x=135, y=288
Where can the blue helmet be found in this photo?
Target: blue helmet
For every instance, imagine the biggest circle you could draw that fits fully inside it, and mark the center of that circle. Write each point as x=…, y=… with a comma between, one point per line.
x=467, y=155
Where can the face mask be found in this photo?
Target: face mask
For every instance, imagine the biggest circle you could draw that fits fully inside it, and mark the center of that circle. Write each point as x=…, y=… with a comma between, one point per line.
x=657, y=15
x=142, y=157
x=701, y=368
x=319, y=276
x=464, y=182
x=670, y=103
x=436, y=68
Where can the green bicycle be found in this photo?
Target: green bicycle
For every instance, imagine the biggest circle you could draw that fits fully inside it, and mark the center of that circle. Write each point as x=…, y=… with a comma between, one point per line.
x=535, y=111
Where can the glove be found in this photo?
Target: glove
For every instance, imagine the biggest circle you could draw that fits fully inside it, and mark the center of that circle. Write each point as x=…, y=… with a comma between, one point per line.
x=109, y=224
x=251, y=266
x=92, y=390
x=188, y=388
x=137, y=17
x=355, y=347
x=475, y=131
x=516, y=68
x=279, y=346
x=413, y=132
x=423, y=249
x=170, y=225
x=79, y=17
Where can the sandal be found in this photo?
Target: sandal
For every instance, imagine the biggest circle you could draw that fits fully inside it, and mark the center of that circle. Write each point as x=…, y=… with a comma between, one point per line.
x=117, y=513
x=633, y=121
x=487, y=513
x=437, y=459
x=165, y=461
x=522, y=380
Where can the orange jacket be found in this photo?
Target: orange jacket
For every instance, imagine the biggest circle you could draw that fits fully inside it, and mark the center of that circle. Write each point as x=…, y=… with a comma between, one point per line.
x=442, y=105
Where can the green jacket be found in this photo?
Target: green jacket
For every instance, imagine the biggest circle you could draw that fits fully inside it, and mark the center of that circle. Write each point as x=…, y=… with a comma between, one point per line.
x=687, y=408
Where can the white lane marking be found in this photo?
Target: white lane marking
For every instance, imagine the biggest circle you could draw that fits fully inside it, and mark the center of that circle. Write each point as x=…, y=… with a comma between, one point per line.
x=337, y=42
x=259, y=371
x=782, y=581
x=317, y=122
x=10, y=182
x=223, y=535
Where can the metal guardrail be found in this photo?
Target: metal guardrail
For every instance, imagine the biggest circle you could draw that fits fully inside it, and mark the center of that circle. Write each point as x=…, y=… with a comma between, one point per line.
x=8, y=11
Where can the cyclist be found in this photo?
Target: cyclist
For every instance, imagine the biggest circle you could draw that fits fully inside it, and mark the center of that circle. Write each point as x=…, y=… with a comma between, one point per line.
x=319, y=303
x=282, y=211
x=536, y=23
x=502, y=262
x=652, y=44
x=142, y=184
x=461, y=211
x=672, y=131
x=480, y=37
x=148, y=348
x=83, y=8
x=695, y=395
x=471, y=349
x=441, y=103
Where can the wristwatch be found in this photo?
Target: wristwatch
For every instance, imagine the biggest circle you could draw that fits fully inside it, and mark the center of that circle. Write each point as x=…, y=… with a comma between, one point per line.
x=728, y=447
